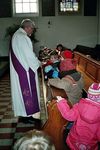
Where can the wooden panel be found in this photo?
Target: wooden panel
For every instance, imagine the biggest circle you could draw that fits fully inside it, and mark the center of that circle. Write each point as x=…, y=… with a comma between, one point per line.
x=91, y=69
x=54, y=126
x=58, y=92
x=90, y=66
x=90, y=7
x=5, y=8
x=82, y=63
x=77, y=58
x=98, y=76
x=48, y=7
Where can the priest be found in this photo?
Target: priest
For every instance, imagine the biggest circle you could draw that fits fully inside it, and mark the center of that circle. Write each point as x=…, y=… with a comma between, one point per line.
x=23, y=74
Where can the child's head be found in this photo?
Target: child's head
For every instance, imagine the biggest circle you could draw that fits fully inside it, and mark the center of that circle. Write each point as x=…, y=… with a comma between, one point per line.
x=34, y=140
x=67, y=54
x=54, y=58
x=59, y=47
x=94, y=92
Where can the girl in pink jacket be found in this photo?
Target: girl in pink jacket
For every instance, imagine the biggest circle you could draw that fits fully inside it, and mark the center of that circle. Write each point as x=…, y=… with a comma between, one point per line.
x=85, y=132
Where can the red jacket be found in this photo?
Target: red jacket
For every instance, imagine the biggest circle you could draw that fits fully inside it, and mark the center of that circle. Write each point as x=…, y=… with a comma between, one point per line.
x=67, y=64
x=85, y=133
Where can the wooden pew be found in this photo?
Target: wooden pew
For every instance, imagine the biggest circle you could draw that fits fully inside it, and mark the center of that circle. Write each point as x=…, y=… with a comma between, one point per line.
x=55, y=123
x=56, y=92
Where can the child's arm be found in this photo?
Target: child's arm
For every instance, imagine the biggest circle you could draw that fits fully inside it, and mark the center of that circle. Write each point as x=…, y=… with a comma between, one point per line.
x=60, y=83
x=68, y=113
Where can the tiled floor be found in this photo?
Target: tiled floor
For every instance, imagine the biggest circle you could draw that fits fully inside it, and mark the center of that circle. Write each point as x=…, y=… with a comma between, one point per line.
x=11, y=128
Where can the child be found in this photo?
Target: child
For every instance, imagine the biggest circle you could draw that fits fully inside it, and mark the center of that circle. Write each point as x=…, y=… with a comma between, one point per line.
x=44, y=53
x=52, y=70
x=85, y=132
x=69, y=80
x=67, y=63
x=34, y=140
x=60, y=49
x=72, y=87
x=54, y=58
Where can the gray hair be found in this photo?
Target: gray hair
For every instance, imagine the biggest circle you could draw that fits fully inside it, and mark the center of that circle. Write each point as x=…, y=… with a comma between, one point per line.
x=27, y=23
x=34, y=140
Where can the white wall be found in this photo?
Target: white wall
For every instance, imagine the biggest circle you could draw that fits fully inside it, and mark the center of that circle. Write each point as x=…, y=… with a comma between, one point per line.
x=67, y=30
x=70, y=31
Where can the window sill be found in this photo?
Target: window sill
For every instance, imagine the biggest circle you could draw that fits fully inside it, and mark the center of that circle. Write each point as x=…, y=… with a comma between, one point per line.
x=26, y=15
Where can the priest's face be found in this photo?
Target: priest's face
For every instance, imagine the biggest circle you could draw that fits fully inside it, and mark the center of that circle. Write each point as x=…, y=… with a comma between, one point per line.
x=29, y=30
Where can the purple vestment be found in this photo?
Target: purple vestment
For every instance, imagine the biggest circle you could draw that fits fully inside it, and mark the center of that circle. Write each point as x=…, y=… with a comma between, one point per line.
x=29, y=92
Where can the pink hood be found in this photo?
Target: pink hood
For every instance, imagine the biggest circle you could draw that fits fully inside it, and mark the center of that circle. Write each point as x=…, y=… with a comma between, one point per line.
x=89, y=111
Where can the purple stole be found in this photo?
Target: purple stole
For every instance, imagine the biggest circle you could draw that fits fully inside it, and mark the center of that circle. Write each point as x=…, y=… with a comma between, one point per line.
x=29, y=93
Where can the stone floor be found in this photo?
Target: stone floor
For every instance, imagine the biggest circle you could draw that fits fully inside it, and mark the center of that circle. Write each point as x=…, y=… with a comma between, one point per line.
x=11, y=128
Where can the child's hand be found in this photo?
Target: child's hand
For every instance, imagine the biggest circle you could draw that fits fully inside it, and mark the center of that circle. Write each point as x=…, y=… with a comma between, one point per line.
x=59, y=98
x=43, y=62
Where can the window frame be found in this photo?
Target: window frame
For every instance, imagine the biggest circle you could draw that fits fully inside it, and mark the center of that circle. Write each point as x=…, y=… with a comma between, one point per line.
x=30, y=14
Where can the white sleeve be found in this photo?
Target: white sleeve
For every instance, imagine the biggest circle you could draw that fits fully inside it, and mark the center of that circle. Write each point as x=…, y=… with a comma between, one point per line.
x=23, y=48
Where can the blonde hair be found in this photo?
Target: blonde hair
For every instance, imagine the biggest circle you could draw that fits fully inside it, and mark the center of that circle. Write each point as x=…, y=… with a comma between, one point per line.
x=34, y=140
